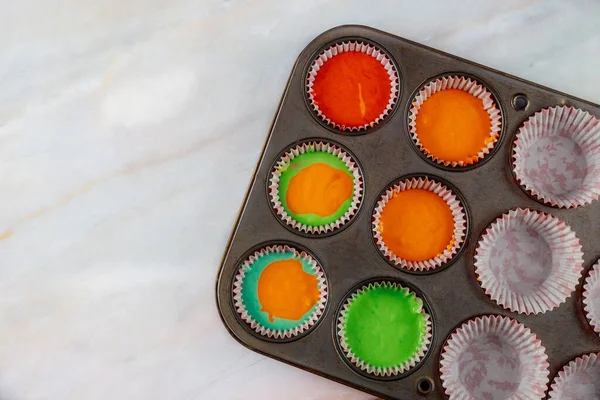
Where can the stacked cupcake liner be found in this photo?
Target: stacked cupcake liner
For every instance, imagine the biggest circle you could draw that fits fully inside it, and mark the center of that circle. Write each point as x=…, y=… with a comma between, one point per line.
x=238, y=287
x=284, y=162
x=470, y=86
x=363, y=48
x=458, y=213
x=494, y=357
x=578, y=380
x=556, y=156
x=363, y=365
x=591, y=297
x=505, y=260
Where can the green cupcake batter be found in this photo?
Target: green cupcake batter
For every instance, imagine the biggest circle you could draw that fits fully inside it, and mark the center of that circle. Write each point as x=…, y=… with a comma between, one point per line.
x=298, y=164
x=384, y=326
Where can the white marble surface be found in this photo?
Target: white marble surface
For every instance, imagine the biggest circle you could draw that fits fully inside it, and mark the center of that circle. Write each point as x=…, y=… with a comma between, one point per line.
x=128, y=134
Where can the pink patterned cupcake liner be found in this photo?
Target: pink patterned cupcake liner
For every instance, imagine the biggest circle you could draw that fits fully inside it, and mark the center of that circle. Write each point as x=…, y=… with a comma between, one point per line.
x=528, y=262
x=308, y=147
x=458, y=213
x=362, y=47
x=470, y=86
x=578, y=380
x=494, y=358
x=591, y=297
x=556, y=156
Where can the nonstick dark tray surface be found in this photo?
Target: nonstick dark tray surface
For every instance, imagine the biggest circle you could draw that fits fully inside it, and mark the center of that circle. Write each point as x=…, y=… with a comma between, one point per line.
x=349, y=256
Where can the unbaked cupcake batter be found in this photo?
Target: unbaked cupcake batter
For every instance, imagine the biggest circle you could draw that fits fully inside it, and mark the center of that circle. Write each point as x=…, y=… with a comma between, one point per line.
x=318, y=189
x=352, y=89
x=385, y=326
x=286, y=291
x=417, y=225
x=453, y=125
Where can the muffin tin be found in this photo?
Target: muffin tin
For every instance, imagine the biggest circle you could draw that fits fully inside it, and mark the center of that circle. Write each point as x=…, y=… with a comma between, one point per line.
x=349, y=256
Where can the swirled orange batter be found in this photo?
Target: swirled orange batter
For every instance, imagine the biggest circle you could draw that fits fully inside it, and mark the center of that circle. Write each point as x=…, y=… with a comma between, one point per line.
x=286, y=291
x=453, y=125
x=352, y=89
x=417, y=225
x=319, y=189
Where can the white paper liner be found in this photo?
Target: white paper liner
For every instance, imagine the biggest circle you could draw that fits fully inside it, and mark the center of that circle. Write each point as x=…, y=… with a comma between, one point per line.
x=240, y=307
x=458, y=213
x=556, y=156
x=283, y=163
x=528, y=262
x=470, y=86
x=494, y=357
x=363, y=365
x=363, y=48
x=591, y=297
x=578, y=380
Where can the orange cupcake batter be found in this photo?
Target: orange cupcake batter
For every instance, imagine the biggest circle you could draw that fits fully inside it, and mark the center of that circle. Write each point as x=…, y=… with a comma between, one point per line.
x=417, y=225
x=453, y=125
x=286, y=291
x=352, y=89
x=318, y=189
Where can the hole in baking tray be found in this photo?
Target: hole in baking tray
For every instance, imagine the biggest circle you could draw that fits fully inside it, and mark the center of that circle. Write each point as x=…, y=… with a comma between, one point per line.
x=520, y=102
x=425, y=385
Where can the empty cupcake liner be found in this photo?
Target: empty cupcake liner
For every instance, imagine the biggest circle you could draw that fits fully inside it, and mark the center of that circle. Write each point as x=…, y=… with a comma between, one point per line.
x=363, y=365
x=578, y=380
x=494, y=357
x=556, y=156
x=528, y=262
x=283, y=163
x=470, y=86
x=240, y=306
x=591, y=297
x=458, y=212
x=366, y=48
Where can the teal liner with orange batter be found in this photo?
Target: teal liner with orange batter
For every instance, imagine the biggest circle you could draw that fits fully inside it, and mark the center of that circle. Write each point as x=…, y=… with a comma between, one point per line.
x=280, y=291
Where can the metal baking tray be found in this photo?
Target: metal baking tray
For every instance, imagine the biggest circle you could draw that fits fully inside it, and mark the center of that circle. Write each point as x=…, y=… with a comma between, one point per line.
x=349, y=257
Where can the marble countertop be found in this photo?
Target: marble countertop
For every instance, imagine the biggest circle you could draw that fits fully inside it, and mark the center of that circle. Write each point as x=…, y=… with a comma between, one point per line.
x=129, y=131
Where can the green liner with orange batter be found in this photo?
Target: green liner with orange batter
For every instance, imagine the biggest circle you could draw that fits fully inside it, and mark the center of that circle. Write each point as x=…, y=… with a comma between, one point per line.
x=316, y=187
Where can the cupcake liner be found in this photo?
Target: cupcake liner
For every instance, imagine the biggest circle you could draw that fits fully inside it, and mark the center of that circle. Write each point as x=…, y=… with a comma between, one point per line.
x=363, y=48
x=494, y=357
x=578, y=380
x=458, y=212
x=282, y=165
x=363, y=365
x=241, y=308
x=528, y=262
x=591, y=297
x=470, y=86
x=556, y=156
